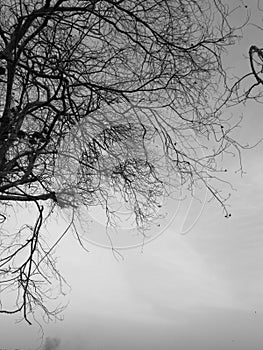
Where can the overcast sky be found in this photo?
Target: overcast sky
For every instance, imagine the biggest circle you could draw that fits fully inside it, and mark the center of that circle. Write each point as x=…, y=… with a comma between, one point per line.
x=188, y=289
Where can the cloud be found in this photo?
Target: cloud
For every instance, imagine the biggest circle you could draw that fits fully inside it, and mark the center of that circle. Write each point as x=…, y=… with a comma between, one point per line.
x=51, y=343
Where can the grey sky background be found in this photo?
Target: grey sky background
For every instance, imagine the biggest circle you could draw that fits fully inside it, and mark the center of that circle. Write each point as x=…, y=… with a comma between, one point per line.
x=201, y=290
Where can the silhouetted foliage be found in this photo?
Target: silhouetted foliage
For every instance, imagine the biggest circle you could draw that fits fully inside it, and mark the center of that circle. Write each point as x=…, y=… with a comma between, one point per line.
x=97, y=95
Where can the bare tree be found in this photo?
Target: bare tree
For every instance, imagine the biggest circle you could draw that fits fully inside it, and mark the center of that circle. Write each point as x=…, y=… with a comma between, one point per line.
x=99, y=95
x=249, y=86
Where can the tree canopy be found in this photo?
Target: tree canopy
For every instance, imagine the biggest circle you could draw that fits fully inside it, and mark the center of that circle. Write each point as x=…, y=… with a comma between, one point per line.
x=99, y=96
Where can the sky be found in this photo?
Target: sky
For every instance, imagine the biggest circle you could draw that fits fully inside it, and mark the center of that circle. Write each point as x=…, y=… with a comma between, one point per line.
x=196, y=286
